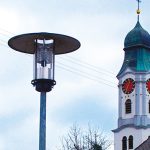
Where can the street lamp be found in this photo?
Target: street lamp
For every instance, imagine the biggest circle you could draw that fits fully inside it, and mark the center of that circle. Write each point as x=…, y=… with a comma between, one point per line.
x=44, y=47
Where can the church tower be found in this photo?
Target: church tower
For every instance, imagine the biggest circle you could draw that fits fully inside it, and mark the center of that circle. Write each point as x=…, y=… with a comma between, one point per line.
x=134, y=91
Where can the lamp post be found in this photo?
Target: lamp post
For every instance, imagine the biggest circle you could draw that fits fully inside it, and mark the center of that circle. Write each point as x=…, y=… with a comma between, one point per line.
x=44, y=47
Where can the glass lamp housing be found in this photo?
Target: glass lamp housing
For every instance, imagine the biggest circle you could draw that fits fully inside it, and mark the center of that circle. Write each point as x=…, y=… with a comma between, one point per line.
x=44, y=46
x=43, y=65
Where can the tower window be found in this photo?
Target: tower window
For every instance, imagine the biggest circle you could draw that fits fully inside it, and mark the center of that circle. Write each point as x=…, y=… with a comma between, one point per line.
x=128, y=106
x=130, y=140
x=124, y=143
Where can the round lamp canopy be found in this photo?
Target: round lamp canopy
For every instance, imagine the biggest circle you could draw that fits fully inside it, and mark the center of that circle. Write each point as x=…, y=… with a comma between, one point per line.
x=26, y=42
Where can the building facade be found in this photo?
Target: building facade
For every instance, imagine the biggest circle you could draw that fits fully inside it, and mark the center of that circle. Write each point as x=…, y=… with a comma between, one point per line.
x=134, y=91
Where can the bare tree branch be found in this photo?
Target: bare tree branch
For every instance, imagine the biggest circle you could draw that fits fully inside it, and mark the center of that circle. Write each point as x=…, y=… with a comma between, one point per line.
x=78, y=139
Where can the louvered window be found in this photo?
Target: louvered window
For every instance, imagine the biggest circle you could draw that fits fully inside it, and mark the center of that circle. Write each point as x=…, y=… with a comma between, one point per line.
x=128, y=106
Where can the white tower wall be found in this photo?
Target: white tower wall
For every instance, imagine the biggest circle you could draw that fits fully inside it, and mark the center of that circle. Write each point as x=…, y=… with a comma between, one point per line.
x=139, y=136
x=136, y=123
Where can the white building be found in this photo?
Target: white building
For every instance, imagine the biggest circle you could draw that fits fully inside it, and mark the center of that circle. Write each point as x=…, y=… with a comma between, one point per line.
x=134, y=91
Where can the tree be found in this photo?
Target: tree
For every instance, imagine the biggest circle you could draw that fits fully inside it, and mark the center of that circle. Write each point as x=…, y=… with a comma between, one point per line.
x=91, y=139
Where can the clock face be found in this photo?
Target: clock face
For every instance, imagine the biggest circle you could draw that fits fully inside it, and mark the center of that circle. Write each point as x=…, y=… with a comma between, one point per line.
x=148, y=85
x=128, y=86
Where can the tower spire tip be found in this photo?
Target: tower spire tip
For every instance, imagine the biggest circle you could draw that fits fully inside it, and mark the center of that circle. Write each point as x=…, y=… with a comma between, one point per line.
x=138, y=10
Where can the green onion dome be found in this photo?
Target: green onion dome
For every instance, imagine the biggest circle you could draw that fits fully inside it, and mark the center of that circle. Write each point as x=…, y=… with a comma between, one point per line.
x=137, y=50
x=137, y=37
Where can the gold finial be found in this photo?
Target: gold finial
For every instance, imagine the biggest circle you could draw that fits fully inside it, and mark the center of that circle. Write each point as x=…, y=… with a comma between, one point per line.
x=138, y=10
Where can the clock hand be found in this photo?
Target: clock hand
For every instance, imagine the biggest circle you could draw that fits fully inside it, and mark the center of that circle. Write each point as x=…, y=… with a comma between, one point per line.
x=128, y=85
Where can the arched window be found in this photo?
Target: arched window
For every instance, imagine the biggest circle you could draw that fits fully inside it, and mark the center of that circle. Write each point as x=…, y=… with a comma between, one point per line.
x=128, y=106
x=124, y=143
x=130, y=140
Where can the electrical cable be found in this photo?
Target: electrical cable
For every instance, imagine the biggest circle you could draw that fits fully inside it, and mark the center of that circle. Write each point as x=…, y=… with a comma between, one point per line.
x=5, y=35
x=78, y=62
x=7, y=31
x=78, y=73
x=86, y=73
x=88, y=64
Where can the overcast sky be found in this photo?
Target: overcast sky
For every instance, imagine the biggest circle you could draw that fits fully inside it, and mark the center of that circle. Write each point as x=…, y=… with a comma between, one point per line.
x=86, y=89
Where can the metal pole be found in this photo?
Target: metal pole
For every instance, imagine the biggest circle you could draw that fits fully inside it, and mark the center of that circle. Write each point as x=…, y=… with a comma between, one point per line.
x=42, y=137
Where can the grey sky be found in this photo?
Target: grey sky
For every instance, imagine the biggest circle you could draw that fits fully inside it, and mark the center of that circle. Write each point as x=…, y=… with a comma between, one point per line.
x=100, y=26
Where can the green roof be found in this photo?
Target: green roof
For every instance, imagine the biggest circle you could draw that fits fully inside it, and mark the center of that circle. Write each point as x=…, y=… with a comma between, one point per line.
x=137, y=50
x=137, y=59
x=137, y=36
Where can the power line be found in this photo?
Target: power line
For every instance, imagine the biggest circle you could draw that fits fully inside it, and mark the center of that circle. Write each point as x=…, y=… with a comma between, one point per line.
x=77, y=71
x=7, y=31
x=83, y=75
x=89, y=65
x=77, y=61
x=3, y=34
x=83, y=64
x=3, y=41
x=81, y=71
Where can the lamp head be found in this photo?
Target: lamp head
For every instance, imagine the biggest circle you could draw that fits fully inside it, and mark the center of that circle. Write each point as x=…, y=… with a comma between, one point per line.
x=44, y=47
